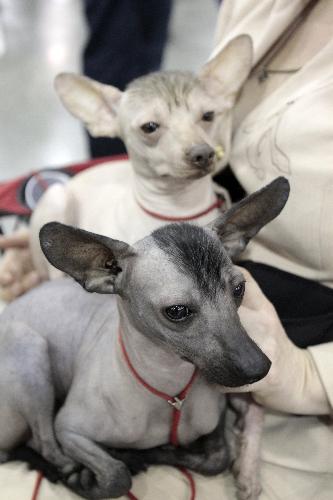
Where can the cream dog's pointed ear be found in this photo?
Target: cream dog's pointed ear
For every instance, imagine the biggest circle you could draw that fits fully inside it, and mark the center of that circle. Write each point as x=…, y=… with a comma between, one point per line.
x=225, y=74
x=90, y=101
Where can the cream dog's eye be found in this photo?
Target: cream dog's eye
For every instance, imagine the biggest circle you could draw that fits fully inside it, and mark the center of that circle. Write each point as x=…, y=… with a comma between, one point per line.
x=208, y=116
x=149, y=127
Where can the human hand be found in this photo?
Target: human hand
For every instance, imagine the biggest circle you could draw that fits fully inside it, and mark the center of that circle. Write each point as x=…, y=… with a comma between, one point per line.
x=19, y=239
x=17, y=272
x=293, y=384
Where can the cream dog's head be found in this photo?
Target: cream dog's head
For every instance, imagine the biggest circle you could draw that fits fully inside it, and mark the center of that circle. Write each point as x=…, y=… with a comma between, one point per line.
x=174, y=123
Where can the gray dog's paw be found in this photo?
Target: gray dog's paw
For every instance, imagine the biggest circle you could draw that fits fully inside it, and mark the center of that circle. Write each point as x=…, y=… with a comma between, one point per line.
x=97, y=486
x=133, y=459
x=82, y=478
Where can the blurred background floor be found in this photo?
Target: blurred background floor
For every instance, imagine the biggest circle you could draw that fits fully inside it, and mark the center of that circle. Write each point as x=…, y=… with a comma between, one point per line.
x=40, y=38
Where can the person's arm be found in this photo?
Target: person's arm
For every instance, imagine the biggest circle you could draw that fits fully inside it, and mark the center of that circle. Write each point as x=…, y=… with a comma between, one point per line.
x=300, y=380
x=322, y=355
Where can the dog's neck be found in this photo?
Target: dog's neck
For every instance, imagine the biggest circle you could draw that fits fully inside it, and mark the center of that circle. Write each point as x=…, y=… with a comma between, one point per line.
x=174, y=197
x=157, y=366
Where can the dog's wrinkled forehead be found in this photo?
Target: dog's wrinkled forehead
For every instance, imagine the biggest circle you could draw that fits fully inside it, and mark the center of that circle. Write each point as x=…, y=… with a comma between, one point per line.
x=196, y=253
x=173, y=87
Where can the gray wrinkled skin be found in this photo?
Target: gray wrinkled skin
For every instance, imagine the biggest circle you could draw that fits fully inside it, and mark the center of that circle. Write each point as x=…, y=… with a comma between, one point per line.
x=59, y=342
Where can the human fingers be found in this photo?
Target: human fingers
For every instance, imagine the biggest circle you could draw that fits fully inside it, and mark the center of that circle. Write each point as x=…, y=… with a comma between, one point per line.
x=16, y=240
x=253, y=298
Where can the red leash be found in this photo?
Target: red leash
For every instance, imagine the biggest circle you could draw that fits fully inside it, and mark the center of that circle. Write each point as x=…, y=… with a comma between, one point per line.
x=190, y=479
x=37, y=486
x=217, y=204
x=131, y=496
x=175, y=401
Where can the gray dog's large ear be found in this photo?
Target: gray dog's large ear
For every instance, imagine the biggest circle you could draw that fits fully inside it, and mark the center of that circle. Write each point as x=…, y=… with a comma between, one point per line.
x=90, y=101
x=93, y=260
x=225, y=74
x=244, y=219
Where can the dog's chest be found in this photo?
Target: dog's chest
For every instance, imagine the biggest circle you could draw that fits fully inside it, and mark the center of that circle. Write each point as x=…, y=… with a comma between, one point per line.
x=147, y=420
x=200, y=412
x=105, y=203
x=114, y=213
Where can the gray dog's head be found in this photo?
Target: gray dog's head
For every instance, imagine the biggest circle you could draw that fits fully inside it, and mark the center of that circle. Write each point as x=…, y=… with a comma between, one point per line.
x=179, y=286
x=175, y=124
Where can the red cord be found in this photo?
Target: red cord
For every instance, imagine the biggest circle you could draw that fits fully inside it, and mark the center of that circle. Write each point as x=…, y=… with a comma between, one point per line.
x=150, y=388
x=37, y=486
x=176, y=414
x=217, y=204
x=174, y=427
x=189, y=476
x=131, y=496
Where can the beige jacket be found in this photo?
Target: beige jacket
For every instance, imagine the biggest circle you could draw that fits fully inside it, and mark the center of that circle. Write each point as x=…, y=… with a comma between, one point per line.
x=289, y=133
x=285, y=127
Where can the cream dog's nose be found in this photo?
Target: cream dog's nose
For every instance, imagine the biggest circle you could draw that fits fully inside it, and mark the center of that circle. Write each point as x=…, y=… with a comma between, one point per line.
x=200, y=155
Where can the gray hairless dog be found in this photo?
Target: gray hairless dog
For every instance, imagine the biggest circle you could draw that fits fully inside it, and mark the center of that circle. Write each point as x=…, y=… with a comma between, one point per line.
x=178, y=294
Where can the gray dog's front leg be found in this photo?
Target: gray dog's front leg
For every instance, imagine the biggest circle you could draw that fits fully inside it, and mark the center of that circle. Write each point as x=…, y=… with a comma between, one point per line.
x=27, y=394
x=207, y=455
x=101, y=475
x=249, y=425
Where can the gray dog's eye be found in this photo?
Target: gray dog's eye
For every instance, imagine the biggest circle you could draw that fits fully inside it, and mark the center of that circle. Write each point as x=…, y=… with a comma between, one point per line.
x=208, y=116
x=178, y=312
x=239, y=290
x=149, y=127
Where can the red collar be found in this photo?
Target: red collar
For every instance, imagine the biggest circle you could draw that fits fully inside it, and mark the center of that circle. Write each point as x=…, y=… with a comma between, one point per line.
x=217, y=204
x=175, y=401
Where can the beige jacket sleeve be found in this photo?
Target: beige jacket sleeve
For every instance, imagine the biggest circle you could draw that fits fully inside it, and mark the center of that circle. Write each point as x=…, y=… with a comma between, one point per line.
x=323, y=358
x=263, y=20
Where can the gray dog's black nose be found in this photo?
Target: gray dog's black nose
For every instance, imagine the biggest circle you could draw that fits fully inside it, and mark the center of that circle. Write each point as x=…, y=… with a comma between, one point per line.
x=257, y=370
x=245, y=369
x=200, y=155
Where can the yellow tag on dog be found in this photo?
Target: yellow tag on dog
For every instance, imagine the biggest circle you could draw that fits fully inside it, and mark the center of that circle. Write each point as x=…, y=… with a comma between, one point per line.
x=219, y=151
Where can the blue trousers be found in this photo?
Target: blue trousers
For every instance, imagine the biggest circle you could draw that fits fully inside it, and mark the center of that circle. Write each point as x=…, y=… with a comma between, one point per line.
x=126, y=40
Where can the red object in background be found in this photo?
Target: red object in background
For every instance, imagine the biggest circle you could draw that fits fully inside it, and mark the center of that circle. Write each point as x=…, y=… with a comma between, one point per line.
x=19, y=196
